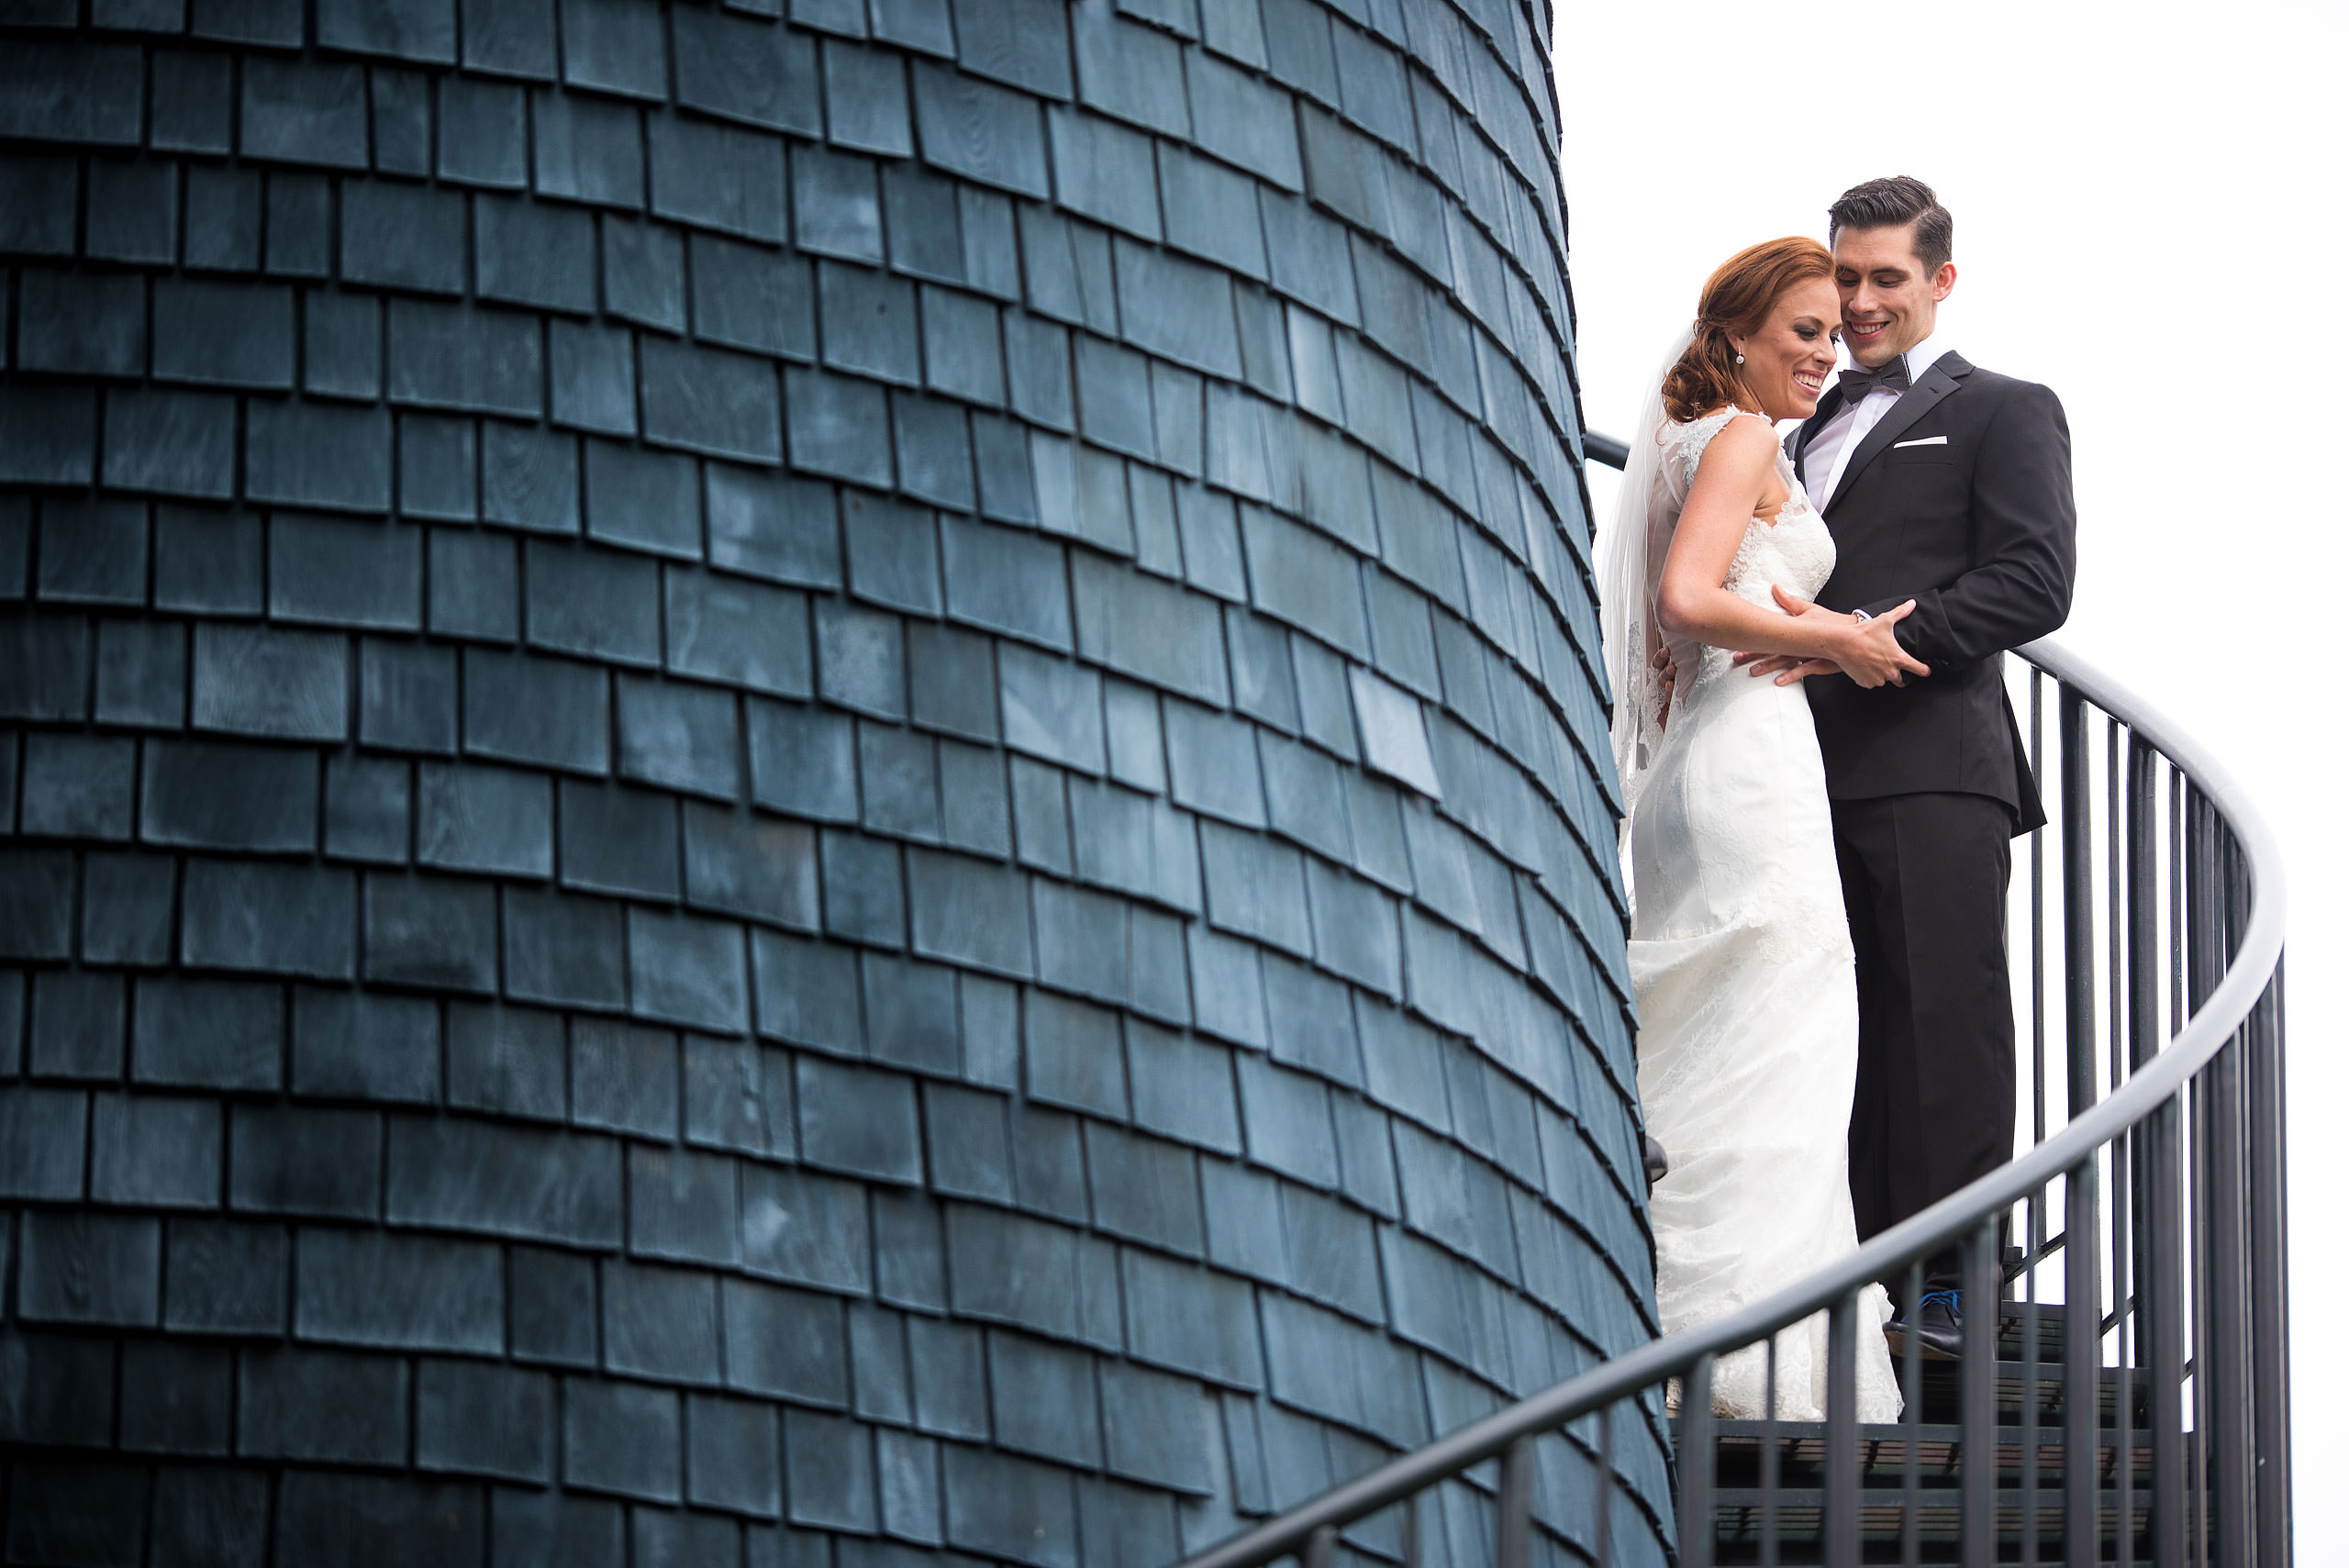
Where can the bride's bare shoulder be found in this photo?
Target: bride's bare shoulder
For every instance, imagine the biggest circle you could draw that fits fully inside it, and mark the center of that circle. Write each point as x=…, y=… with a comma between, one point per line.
x=1741, y=442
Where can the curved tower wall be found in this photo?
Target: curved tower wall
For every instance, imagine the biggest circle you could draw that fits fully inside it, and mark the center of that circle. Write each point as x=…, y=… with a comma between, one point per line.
x=775, y=781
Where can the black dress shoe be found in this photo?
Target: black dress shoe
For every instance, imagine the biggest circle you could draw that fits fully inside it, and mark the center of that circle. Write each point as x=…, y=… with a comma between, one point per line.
x=1938, y=1322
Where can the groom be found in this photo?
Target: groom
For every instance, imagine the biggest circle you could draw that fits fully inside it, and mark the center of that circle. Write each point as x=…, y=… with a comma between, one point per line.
x=1951, y=485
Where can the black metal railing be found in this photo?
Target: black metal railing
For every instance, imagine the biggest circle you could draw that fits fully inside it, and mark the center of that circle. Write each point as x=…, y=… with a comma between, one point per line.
x=2127, y=1402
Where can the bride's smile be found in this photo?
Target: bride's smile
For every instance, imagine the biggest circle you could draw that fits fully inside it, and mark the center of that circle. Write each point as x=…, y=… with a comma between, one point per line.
x=1788, y=362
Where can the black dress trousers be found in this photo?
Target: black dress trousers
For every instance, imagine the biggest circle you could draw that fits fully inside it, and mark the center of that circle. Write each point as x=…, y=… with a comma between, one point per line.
x=1925, y=889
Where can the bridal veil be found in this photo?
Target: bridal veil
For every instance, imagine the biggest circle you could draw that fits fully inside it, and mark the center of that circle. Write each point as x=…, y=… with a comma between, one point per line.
x=1631, y=556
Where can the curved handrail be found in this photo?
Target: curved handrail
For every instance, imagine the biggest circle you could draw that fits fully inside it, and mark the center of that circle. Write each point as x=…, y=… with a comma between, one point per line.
x=2212, y=1025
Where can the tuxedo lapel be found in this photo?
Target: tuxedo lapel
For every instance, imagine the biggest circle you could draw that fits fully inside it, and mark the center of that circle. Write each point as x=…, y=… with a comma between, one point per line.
x=1932, y=386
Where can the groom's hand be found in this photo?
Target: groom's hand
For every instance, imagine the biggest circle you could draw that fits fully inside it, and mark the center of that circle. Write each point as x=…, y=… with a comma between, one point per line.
x=1788, y=668
x=1669, y=673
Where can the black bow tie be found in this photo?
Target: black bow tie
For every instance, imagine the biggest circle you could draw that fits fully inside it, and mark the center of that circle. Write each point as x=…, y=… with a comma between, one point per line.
x=1892, y=375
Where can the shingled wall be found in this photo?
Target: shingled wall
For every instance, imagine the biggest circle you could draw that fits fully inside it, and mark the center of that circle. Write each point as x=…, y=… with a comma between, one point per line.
x=814, y=790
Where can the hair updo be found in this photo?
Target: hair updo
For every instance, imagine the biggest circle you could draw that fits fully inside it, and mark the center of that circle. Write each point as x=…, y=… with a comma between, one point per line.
x=1738, y=299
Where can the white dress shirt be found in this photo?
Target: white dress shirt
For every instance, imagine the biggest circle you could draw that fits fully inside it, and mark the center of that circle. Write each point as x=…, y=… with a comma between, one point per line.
x=1830, y=450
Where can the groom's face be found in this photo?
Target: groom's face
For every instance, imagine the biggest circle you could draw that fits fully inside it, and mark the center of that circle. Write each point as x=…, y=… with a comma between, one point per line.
x=1889, y=297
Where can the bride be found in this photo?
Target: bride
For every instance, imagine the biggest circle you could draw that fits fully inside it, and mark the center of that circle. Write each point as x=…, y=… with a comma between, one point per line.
x=1740, y=954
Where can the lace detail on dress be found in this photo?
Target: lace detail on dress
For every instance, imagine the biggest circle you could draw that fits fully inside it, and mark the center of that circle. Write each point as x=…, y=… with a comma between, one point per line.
x=1792, y=550
x=1684, y=445
x=1748, y=554
x=1774, y=549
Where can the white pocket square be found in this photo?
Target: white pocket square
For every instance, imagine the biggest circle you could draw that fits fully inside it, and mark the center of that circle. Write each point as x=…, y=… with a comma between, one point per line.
x=1922, y=441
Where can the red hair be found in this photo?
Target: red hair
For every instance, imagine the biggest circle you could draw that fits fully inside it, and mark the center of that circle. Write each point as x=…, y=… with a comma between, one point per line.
x=1737, y=300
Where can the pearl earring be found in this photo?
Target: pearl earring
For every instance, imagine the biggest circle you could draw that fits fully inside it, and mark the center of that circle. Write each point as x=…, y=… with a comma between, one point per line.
x=1741, y=359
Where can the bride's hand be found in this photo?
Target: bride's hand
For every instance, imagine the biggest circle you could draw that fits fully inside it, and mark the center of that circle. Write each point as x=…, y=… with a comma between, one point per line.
x=1866, y=650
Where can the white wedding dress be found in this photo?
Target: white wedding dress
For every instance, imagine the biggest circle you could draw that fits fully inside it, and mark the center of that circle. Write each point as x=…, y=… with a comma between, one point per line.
x=1741, y=962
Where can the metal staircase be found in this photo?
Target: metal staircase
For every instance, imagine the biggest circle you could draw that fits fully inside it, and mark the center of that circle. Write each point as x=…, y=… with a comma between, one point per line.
x=2129, y=1403
x=1770, y=1476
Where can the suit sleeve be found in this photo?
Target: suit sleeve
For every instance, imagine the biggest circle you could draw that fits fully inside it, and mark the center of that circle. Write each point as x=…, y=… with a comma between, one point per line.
x=2020, y=584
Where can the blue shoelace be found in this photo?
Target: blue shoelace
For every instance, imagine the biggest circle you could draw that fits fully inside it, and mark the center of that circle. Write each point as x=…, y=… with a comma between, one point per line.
x=1948, y=1298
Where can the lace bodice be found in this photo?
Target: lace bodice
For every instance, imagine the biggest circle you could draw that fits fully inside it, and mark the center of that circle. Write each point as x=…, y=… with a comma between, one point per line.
x=1793, y=550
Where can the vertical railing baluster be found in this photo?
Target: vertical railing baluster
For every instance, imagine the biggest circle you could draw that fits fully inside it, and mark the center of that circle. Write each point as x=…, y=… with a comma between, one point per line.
x=2116, y=1033
x=2151, y=1290
x=2079, y=920
x=2186, y=1113
x=1321, y=1551
x=2028, y=1501
x=2206, y=1287
x=2162, y=1303
x=2270, y=1316
x=2231, y=1439
x=2122, y=1211
x=1603, y=1545
x=1697, y=1524
x=1513, y=1530
x=2081, y=1226
x=1841, y=1527
x=1977, y=1476
x=1912, y=1415
x=2197, y=1296
x=1413, y=1554
x=1770, y=1455
x=2034, y=1203
x=2177, y=965
x=2185, y=1185
x=2268, y=1525
x=2082, y=1362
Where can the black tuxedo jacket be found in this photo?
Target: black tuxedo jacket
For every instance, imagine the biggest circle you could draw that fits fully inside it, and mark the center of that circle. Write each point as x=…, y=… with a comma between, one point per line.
x=1960, y=498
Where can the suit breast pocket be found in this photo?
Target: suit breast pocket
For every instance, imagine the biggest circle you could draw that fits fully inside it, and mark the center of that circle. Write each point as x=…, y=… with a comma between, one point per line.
x=1919, y=456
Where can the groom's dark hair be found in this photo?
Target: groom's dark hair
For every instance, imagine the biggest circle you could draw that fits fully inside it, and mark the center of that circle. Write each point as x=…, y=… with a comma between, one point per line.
x=1891, y=203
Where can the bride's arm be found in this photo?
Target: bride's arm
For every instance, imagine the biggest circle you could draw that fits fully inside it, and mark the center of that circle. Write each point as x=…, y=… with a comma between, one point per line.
x=1735, y=476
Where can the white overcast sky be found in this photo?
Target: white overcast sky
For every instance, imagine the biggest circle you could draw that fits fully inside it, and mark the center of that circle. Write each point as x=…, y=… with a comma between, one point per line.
x=2149, y=201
